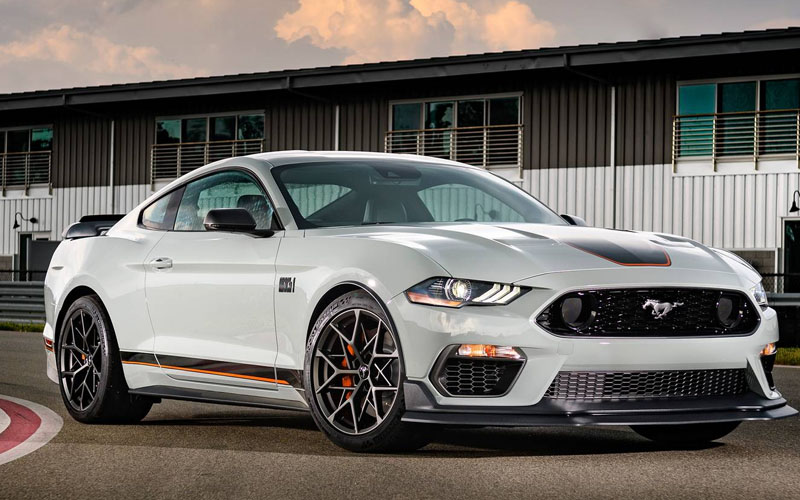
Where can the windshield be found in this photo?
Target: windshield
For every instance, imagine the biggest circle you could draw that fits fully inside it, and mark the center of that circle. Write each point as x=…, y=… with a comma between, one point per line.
x=392, y=191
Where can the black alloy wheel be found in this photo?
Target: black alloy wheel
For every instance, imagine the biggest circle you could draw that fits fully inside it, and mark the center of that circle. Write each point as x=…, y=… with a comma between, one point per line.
x=354, y=377
x=90, y=374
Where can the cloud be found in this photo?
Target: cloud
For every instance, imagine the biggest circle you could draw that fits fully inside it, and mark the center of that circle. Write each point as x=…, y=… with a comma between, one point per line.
x=778, y=22
x=101, y=58
x=375, y=30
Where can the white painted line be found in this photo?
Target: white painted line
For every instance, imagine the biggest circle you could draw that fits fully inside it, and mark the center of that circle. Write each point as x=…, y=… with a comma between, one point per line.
x=4, y=421
x=50, y=425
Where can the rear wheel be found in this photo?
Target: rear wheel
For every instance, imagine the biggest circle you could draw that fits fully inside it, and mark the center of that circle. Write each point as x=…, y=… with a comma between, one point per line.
x=686, y=434
x=354, y=378
x=89, y=368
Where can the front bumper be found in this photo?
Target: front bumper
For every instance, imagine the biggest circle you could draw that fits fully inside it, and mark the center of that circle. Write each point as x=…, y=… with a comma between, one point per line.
x=421, y=407
x=426, y=332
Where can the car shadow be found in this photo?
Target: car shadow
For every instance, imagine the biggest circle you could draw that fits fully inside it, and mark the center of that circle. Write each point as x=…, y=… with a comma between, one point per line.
x=296, y=433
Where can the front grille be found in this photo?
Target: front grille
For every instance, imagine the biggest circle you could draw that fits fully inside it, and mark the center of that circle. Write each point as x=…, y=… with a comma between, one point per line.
x=609, y=386
x=477, y=377
x=626, y=313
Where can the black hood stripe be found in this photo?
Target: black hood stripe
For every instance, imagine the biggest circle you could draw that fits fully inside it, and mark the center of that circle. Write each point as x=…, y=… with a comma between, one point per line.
x=631, y=253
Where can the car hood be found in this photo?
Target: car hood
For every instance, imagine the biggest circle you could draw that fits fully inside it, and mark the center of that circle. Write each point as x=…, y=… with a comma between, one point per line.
x=513, y=252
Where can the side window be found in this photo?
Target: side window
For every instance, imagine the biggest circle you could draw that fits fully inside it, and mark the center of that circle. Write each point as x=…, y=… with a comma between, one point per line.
x=161, y=213
x=459, y=202
x=223, y=190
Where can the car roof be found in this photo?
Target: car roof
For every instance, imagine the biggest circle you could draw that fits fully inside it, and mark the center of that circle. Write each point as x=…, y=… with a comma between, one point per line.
x=278, y=158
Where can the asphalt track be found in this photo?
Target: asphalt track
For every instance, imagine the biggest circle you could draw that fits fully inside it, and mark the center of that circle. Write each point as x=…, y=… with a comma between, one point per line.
x=197, y=451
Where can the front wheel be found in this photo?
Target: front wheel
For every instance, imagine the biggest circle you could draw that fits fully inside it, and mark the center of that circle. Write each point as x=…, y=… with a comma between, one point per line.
x=89, y=368
x=354, y=378
x=686, y=434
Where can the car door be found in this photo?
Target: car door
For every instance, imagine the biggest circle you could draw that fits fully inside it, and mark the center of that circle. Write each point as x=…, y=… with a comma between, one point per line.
x=210, y=293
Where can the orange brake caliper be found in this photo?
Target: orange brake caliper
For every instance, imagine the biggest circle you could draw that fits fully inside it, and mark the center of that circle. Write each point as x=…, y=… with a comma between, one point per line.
x=347, y=380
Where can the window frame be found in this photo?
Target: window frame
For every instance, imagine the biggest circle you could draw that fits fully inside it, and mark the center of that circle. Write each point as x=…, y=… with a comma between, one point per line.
x=29, y=128
x=182, y=187
x=208, y=116
x=736, y=79
x=455, y=100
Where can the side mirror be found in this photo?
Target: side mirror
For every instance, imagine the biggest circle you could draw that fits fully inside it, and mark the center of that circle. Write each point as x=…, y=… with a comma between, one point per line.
x=574, y=220
x=235, y=220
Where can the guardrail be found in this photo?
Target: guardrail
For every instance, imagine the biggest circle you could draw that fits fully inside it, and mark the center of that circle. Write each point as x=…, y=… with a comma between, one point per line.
x=169, y=161
x=751, y=135
x=24, y=169
x=22, y=301
x=487, y=146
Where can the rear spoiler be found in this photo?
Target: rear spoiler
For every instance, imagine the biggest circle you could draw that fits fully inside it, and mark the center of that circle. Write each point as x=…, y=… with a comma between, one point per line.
x=91, y=225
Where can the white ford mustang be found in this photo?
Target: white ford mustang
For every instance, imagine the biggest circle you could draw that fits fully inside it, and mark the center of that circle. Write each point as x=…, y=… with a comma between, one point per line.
x=388, y=293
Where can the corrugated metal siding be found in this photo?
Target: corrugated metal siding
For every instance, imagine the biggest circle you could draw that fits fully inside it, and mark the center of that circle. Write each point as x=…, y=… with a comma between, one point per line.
x=566, y=123
x=133, y=137
x=299, y=124
x=582, y=191
x=363, y=124
x=65, y=206
x=80, y=149
x=725, y=211
x=645, y=104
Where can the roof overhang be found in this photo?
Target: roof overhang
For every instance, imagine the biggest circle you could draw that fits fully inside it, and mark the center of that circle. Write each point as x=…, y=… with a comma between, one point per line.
x=548, y=58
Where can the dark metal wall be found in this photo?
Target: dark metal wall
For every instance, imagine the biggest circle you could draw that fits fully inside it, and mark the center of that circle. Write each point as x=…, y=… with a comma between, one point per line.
x=81, y=149
x=566, y=118
x=566, y=122
x=645, y=104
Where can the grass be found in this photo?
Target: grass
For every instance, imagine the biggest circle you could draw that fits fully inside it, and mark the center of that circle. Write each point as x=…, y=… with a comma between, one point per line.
x=21, y=327
x=788, y=356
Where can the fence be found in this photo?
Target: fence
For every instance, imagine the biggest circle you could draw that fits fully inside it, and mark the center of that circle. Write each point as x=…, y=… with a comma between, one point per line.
x=753, y=135
x=22, y=301
x=24, y=169
x=168, y=161
x=487, y=146
x=782, y=283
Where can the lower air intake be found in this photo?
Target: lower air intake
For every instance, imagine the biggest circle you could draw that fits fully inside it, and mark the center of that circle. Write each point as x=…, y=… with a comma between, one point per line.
x=477, y=377
x=610, y=386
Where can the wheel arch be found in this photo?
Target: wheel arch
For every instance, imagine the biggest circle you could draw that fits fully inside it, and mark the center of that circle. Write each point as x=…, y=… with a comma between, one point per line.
x=73, y=295
x=340, y=289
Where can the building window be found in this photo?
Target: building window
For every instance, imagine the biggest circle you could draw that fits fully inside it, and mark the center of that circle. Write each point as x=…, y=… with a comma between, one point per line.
x=25, y=156
x=741, y=119
x=483, y=131
x=183, y=144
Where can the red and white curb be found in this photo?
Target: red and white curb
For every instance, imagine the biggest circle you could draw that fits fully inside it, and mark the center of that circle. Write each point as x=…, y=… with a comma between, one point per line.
x=24, y=427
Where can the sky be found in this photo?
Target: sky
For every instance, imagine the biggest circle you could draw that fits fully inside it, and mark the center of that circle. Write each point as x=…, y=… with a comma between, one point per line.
x=47, y=44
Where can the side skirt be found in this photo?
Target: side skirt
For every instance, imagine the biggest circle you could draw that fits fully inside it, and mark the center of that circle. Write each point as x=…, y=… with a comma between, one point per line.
x=203, y=396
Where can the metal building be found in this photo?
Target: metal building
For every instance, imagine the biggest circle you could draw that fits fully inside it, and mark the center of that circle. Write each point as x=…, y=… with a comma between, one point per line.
x=698, y=136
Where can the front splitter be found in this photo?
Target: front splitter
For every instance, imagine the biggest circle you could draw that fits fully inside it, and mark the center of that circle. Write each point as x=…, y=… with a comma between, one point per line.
x=421, y=407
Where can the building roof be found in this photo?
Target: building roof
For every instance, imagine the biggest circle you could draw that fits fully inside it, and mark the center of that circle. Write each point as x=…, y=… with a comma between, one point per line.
x=576, y=56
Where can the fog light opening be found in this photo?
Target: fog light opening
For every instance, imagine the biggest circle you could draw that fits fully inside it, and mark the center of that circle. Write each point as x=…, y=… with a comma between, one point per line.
x=577, y=311
x=729, y=311
x=488, y=351
x=769, y=349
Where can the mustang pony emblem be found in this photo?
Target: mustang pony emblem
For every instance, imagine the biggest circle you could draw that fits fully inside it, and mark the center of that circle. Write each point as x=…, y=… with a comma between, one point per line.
x=660, y=309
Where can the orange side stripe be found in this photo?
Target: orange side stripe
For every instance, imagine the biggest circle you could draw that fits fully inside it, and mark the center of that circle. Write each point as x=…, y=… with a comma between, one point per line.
x=195, y=370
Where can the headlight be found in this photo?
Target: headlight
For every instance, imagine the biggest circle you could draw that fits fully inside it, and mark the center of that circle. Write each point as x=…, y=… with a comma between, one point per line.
x=452, y=292
x=760, y=294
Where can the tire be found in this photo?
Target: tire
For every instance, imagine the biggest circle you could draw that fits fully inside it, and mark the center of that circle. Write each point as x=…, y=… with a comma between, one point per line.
x=348, y=378
x=686, y=434
x=90, y=376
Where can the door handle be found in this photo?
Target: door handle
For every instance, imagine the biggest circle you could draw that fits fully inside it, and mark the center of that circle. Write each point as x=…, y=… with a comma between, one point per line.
x=161, y=263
